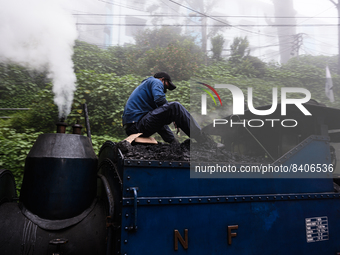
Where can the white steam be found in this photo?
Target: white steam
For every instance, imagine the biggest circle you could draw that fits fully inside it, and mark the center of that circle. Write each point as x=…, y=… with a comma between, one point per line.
x=40, y=35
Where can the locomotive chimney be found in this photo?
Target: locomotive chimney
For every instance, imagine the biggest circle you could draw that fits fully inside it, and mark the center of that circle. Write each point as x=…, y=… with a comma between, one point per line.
x=61, y=126
x=77, y=128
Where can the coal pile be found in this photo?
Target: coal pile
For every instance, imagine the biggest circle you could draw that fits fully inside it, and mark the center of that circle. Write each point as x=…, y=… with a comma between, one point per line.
x=182, y=152
x=164, y=152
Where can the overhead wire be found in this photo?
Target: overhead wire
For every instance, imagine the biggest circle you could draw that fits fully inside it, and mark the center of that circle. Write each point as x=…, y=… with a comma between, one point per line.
x=197, y=16
x=208, y=16
x=321, y=41
x=121, y=5
x=200, y=25
x=225, y=24
x=310, y=18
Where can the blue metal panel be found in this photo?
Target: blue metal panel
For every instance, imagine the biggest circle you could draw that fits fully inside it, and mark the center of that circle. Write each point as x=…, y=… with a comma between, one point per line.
x=271, y=214
x=263, y=228
x=177, y=182
x=156, y=178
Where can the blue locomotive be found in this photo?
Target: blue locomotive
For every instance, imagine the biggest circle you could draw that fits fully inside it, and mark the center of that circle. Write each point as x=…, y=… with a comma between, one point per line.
x=73, y=202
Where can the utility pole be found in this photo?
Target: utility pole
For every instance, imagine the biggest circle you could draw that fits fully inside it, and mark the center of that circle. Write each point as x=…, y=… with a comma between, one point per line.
x=204, y=30
x=338, y=7
x=297, y=43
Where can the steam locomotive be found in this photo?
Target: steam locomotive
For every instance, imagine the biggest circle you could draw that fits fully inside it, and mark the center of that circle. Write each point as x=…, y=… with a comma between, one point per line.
x=73, y=202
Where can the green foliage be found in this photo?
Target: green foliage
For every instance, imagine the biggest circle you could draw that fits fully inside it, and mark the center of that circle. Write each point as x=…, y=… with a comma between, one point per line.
x=159, y=38
x=16, y=146
x=18, y=86
x=238, y=50
x=41, y=117
x=104, y=94
x=241, y=63
x=106, y=78
x=217, y=46
x=176, y=59
x=90, y=57
x=165, y=49
x=14, y=149
x=309, y=72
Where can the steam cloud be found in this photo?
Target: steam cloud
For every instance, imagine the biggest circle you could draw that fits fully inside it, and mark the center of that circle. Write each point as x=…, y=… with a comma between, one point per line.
x=40, y=35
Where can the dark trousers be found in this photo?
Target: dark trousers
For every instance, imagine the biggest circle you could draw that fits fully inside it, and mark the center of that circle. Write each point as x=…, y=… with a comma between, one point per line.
x=159, y=119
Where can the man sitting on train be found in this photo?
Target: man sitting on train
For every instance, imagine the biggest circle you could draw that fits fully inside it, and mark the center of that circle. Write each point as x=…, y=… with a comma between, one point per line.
x=147, y=111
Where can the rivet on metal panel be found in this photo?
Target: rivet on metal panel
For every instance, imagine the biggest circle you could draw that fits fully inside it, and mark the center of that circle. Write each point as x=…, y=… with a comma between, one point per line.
x=218, y=199
x=160, y=200
x=137, y=201
x=321, y=195
x=128, y=202
x=128, y=177
x=160, y=163
x=199, y=200
x=296, y=197
x=302, y=196
x=274, y=197
x=126, y=215
x=251, y=198
x=226, y=198
x=126, y=228
x=281, y=197
x=170, y=163
x=267, y=197
x=288, y=197
x=209, y=199
x=190, y=200
x=243, y=198
x=129, y=162
x=148, y=201
x=149, y=163
x=128, y=189
x=125, y=241
x=315, y=195
x=235, y=198
x=138, y=162
x=308, y=196
x=327, y=195
x=180, y=164
x=170, y=200
x=180, y=200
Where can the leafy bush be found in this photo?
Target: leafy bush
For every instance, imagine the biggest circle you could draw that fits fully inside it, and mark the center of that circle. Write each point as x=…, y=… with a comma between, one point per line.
x=217, y=46
x=165, y=49
x=177, y=59
x=16, y=146
x=14, y=149
x=18, y=86
x=90, y=57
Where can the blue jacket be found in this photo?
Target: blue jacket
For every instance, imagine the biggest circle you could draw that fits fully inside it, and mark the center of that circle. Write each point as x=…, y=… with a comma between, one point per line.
x=146, y=97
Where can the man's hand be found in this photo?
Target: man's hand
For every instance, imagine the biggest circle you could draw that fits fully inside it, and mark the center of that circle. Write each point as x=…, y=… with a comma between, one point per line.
x=176, y=128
